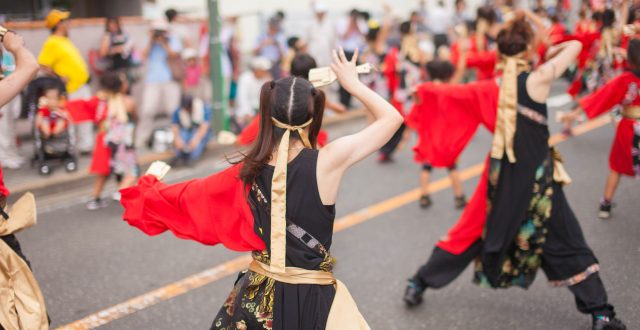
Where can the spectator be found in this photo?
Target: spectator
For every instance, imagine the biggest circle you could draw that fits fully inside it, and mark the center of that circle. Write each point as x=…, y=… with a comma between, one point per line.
x=60, y=57
x=351, y=32
x=191, y=128
x=461, y=15
x=192, y=83
x=249, y=85
x=9, y=156
x=116, y=45
x=176, y=30
x=296, y=46
x=161, y=93
x=272, y=46
x=440, y=20
x=321, y=36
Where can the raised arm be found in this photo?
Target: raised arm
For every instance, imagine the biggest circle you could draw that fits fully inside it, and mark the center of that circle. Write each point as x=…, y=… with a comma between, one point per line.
x=26, y=68
x=338, y=156
x=560, y=58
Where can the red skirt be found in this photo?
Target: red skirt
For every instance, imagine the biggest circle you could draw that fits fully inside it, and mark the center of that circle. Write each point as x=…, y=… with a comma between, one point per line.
x=620, y=159
x=100, y=162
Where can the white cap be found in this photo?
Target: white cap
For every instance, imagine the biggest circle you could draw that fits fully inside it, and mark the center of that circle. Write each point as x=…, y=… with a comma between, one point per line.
x=260, y=63
x=320, y=7
x=160, y=25
x=189, y=53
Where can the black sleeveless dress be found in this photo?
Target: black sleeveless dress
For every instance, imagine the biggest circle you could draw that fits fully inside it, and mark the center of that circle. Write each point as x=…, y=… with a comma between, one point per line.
x=259, y=302
x=530, y=223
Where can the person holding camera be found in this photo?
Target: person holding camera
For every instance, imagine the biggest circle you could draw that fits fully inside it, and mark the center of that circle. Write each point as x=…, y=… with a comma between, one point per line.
x=161, y=91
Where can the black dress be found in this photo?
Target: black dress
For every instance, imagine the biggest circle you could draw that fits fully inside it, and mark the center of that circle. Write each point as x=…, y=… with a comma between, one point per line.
x=529, y=223
x=259, y=302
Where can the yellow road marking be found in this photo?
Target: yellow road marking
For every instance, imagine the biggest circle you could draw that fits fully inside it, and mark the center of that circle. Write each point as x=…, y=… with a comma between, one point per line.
x=238, y=264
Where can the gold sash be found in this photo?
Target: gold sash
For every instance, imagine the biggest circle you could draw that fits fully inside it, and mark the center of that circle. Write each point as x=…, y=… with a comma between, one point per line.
x=344, y=313
x=505, y=128
x=279, y=195
x=20, y=296
x=631, y=112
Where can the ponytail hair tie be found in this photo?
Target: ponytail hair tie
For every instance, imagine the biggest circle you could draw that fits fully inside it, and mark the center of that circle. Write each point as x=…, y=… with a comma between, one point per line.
x=314, y=91
x=272, y=84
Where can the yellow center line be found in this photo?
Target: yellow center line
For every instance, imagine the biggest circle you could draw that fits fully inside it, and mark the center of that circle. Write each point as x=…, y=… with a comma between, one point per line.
x=238, y=264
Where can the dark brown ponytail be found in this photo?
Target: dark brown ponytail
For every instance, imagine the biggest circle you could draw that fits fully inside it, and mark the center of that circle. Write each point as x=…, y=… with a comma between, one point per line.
x=292, y=101
x=515, y=37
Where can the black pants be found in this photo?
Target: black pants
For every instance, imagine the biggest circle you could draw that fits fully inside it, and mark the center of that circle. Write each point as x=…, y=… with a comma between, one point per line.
x=393, y=143
x=345, y=97
x=443, y=267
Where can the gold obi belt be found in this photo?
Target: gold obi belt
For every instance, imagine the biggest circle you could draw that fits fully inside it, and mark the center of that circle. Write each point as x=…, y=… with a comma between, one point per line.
x=631, y=112
x=343, y=315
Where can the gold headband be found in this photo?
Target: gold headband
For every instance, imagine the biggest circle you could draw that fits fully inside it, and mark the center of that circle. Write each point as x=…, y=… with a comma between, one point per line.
x=279, y=195
x=511, y=67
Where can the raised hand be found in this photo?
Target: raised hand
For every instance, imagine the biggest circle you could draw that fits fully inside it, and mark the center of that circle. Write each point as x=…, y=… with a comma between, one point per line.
x=345, y=70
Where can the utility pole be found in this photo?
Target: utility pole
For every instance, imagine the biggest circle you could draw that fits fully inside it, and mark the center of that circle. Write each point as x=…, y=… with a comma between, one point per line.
x=219, y=103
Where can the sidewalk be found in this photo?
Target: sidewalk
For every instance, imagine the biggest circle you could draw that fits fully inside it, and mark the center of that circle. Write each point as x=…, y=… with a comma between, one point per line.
x=28, y=179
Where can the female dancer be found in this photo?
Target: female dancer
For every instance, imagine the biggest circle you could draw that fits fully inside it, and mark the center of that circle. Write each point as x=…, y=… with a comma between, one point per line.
x=519, y=219
x=277, y=202
x=621, y=93
x=442, y=73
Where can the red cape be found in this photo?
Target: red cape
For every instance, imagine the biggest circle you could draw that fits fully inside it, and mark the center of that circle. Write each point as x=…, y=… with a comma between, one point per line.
x=447, y=116
x=213, y=210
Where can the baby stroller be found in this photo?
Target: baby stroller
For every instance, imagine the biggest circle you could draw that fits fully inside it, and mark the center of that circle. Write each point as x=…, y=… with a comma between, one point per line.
x=57, y=149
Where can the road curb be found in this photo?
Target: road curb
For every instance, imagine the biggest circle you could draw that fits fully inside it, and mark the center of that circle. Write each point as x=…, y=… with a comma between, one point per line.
x=213, y=147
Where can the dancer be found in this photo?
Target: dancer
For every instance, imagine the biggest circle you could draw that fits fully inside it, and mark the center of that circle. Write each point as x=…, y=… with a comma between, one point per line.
x=283, y=213
x=114, y=112
x=518, y=219
x=621, y=93
x=23, y=305
x=442, y=74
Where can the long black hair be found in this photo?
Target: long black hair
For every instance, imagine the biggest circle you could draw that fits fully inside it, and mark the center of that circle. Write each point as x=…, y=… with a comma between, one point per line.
x=292, y=101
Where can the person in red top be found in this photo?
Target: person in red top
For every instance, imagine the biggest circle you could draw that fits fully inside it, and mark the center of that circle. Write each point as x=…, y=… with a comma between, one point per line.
x=519, y=219
x=442, y=74
x=114, y=112
x=621, y=94
x=51, y=119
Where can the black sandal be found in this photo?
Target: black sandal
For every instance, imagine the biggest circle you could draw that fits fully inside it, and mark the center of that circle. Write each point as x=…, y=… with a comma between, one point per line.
x=425, y=201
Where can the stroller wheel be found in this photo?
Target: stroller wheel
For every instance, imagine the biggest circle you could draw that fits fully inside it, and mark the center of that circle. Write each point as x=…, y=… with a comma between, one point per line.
x=44, y=169
x=71, y=166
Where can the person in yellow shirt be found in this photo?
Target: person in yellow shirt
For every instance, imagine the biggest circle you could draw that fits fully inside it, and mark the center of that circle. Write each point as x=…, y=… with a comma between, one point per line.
x=61, y=58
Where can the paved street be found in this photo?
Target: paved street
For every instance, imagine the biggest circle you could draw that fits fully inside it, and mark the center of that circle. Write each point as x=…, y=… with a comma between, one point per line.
x=89, y=261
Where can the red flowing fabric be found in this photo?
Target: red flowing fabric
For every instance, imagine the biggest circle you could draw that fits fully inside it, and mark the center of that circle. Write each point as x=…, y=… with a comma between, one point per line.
x=469, y=227
x=447, y=116
x=88, y=110
x=456, y=111
x=211, y=211
x=3, y=189
x=618, y=91
x=250, y=134
x=483, y=61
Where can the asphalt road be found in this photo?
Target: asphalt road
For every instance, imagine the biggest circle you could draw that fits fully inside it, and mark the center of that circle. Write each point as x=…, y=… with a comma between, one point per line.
x=88, y=261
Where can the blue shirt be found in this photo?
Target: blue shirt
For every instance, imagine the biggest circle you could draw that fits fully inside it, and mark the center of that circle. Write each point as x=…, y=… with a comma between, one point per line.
x=275, y=51
x=158, y=70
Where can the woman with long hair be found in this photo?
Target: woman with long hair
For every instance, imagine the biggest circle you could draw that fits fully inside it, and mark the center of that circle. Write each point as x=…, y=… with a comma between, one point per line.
x=518, y=219
x=279, y=203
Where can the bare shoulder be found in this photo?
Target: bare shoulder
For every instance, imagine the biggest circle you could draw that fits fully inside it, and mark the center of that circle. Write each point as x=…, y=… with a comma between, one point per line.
x=130, y=103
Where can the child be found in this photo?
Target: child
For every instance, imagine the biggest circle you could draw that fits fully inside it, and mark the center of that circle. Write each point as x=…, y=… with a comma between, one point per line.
x=52, y=119
x=619, y=93
x=191, y=83
x=114, y=113
x=441, y=73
